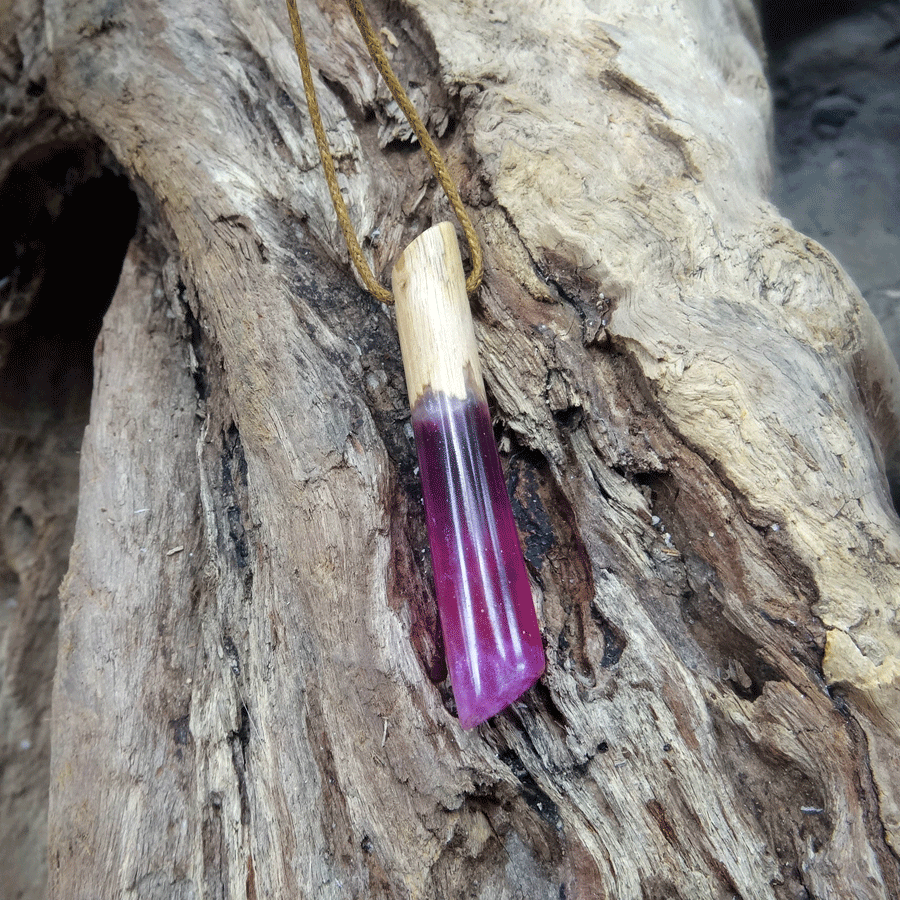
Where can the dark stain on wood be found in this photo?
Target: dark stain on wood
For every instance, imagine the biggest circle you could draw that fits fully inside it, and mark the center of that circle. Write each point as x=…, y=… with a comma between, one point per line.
x=410, y=582
x=239, y=739
x=533, y=795
x=614, y=640
x=654, y=807
x=234, y=492
x=181, y=731
x=250, y=884
x=554, y=550
x=526, y=481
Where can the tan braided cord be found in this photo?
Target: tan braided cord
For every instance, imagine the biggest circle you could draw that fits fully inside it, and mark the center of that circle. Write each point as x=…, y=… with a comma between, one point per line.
x=425, y=142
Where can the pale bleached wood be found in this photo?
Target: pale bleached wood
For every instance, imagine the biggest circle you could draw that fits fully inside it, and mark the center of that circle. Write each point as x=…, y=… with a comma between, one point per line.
x=697, y=478
x=434, y=323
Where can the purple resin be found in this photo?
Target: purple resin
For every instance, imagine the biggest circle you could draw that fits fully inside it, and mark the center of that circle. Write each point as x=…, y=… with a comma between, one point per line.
x=491, y=633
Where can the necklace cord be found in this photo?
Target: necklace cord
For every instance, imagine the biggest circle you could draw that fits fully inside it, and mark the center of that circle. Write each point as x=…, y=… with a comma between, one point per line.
x=439, y=167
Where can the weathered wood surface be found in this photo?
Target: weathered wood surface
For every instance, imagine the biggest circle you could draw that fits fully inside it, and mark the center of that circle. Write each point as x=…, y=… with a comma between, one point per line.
x=696, y=409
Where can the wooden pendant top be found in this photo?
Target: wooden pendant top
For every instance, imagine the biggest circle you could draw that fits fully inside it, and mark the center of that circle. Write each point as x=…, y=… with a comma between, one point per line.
x=437, y=337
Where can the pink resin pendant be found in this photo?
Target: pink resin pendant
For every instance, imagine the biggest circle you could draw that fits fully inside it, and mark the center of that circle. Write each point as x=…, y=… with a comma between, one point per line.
x=491, y=633
x=494, y=649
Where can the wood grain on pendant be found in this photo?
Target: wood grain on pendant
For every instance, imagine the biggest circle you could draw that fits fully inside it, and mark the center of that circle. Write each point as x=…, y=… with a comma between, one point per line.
x=437, y=337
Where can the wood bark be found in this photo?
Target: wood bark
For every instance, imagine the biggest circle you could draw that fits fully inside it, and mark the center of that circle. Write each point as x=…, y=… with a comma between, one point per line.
x=697, y=413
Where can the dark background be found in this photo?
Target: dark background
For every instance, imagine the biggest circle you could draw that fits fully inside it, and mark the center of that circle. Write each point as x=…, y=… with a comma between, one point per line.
x=834, y=68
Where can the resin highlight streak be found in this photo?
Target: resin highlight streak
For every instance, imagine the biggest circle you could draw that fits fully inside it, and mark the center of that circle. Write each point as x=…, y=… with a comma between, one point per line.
x=491, y=634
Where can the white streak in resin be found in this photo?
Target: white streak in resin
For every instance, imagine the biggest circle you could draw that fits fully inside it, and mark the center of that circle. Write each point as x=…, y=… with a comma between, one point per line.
x=466, y=604
x=485, y=506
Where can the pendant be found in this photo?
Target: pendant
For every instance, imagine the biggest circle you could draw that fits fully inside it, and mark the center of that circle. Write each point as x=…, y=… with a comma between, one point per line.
x=491, y=634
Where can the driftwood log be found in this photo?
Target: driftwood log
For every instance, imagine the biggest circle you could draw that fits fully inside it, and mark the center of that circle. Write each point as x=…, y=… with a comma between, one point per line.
x=696, y=409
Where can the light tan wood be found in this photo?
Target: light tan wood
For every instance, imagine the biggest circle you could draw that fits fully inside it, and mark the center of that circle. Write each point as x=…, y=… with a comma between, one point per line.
x=434, y=321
